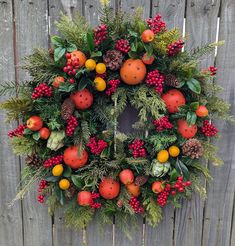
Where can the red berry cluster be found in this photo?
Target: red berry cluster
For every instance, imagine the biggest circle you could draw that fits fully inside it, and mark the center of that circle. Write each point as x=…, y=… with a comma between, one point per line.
x=96, y=146
x=209, y=129
x=163, y=196
x=42, y=90
x=154, y=78
x=212, y=70
x=72, y=123
x=156, y=24
x=123, y=45
x=180, y=185
x=162, y=124
x=100, y=34
x=42, y=185
x=135, y=204
x=175, y=48
x=19, y=131
x=53, y=161
x=71, y=66
x=95, y=204
x=112, y=86
x=103, y=75
x=137, y=147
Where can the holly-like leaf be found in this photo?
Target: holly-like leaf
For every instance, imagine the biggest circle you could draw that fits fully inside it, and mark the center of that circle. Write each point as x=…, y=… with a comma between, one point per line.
x=149, y=49
x=67, y=87
x=83, y=83
x=67, y=171
x=36, y=136
x=194, y=85
x=57, y=41
x=194, y=106
x=51, y=178
x=90, y=41
x=182, y=169
x=96, y=54
x=71, y=47
x=60, y=195
x=27, y=131
x=191, y=118
x=174, y=174
x=142, y=26
x=77, y=181
x=58, y=53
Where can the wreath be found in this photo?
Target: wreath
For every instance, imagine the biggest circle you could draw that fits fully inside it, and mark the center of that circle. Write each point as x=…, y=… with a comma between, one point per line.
x=71, y=107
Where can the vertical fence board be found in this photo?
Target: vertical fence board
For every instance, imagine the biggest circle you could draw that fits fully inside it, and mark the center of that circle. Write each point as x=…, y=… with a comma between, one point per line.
x=11, y=231
x=201, y=22
x=32, y=31
x=220, y=203
x=172, y=12
x=95, y=234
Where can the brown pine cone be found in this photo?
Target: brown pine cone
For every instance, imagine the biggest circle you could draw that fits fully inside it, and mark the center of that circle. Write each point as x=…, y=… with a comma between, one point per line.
x=51, y=53
x=171, y=80
x=113, y=59
x=141, y=180
x=193, y=148
x=67, y=108
x=70, y=192
x=33, y=160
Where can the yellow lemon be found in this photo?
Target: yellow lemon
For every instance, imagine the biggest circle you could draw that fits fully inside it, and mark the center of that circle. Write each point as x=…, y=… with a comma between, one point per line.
x=64, y=184
x=90, y=64
x=163, y=156
x=100, y=84
x=57, y=170
x=100, y=68
x=174, y=151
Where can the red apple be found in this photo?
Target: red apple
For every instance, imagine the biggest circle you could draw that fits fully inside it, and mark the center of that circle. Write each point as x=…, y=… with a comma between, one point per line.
x=147, y=36
x=126, y=176
x=202, y=111
x=147, y=60
x=84, y=198
x=34, y=123
x=157, y=187
x=57, y=81
x=44, y=133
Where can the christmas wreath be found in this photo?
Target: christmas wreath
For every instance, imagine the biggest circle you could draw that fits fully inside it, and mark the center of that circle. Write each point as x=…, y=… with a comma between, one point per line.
x=70, y=109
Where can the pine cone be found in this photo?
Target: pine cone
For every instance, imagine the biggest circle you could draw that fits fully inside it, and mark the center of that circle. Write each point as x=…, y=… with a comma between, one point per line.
x=171, y=80
x=70, y=192
x=193, y=148
x=67, y=108
x=51, y=53
x=141, y=180
x=33, y=160
x=113, y=59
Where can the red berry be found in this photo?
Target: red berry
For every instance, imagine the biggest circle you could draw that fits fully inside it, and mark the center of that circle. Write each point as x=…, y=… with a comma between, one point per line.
x=68, y=55
x=154, y=78
x=188, y=183
x=156, y=24
x=162, y=124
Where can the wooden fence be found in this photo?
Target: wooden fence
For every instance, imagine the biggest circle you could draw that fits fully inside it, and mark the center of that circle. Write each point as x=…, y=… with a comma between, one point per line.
x=25, y=24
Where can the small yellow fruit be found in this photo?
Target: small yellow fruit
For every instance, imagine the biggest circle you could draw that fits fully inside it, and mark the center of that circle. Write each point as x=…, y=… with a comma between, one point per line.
x=163, y=156
x=100, y=84
x=100, y=68
x=64, y=184
x=57, y=170
x=90, y=64
x=174, y=151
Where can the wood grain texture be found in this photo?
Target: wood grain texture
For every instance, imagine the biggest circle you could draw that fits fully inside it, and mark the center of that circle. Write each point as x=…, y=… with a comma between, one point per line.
x=32, y=31
x=172, y=12
x=11, y=229
x=220, y=204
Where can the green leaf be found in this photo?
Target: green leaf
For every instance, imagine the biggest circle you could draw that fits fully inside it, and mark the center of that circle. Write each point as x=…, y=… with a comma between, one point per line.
x=194, y=106
x=90, y=41
x=194, y=85
x=105, y=153
x=71, y=47
x=174, y=175
x=80, y=72
x=52, y=178
x=67, y=87
x=77, y=181
x=191, y=118
x=182, y=169
x=149, y=49
x=134, y=47
x=58, y=53
x=133, y=34
x=57, y=41
x=132, y=54
x=67, y=171
x=96, y=54
x=142, y=27
x=36, y=136
x=83, y=83
x=59, y=194
x=181, y=84
x=27, y=131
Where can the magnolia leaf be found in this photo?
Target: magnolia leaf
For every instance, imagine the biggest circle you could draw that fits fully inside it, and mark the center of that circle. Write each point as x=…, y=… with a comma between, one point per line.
x=67, y=171
x=174, y=174
x=58, y=53
x=96, y=54
x=194, y=105
x=71, y=47
x=57, y=41
x=194, y=85
x=90, y=41
x=36, y=136
x=77, y=181
x=191, y=118
x=83, y=83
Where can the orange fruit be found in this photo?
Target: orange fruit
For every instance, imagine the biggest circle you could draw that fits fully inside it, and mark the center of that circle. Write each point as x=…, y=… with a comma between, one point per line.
x=64, y=184
x=90, y=64
x=80, y=56
x=100, y=84
x=100, y=68
x=133, y=189
x=57, y=170
x=202, y=111
x=186, y=130
x=109, y=188
x=82, y=99
x=133, y=71
x=163, y=156
x=147, y=36
x=57, y=81
x=157, y=187
x=174, y=151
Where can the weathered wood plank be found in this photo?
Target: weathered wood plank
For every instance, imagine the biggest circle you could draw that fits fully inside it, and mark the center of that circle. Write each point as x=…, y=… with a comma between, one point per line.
x=201, y=22
x=11, y=231
x=68, y=7
x=172, y=12
x=32, y=31
x=220, y=203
